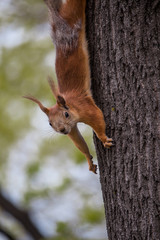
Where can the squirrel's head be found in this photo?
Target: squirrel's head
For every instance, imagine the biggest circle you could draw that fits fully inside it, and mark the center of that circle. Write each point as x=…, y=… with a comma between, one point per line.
x=62, y=118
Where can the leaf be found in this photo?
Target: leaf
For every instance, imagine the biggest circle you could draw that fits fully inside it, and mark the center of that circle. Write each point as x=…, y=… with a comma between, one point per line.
x=67, y=182
x=92, y=216
x=32, y=169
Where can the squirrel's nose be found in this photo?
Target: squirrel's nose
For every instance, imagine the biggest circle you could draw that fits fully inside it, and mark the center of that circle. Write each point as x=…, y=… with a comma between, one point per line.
x=62, y=130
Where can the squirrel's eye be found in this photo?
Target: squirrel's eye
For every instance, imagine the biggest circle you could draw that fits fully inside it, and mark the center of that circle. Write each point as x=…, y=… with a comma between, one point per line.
x=50, y=124
x=66, y=114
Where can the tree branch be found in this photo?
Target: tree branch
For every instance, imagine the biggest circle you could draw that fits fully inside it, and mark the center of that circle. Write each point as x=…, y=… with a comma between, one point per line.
x=22, y=216
x=6, y=234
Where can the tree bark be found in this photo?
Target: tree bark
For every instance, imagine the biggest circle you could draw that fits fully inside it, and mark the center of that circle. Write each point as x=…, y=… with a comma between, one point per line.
x=124, y=45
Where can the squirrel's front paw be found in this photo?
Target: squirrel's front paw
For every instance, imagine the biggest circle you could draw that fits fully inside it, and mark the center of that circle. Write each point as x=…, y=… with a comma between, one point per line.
x=93, y=168
x=108, y=143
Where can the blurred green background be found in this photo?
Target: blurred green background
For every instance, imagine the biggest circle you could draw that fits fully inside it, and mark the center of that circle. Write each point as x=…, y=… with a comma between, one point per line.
x=41, y=171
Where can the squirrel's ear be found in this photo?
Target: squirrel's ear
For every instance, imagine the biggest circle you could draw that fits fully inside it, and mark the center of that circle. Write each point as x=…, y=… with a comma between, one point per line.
x=61, y=102
x=44, y=109
x=53, y=87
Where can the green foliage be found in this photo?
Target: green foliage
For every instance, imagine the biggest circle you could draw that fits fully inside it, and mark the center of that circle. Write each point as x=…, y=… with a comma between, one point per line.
x=35, y=194
x=53, y=145
x=24, y=13
x=64, y=232
x=78, y=156
x=19, y=76
x=65, y=185
x=91, y=215
x=63, y=229
x=32, y=169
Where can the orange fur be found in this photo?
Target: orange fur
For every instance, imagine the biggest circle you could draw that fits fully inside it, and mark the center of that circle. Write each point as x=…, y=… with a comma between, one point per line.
x=74, y=101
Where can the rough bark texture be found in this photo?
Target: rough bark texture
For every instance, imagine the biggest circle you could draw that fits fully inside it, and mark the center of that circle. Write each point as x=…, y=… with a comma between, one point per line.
x=124, y=46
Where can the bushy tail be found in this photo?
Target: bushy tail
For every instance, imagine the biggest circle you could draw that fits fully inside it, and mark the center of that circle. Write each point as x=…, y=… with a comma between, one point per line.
x=66, y=22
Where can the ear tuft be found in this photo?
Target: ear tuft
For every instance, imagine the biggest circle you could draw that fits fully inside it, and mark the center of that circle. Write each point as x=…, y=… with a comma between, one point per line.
x=44, y=109
x=53, y=87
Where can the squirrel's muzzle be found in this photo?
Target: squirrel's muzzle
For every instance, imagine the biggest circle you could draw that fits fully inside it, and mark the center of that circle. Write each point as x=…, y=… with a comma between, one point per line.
x=63, y=130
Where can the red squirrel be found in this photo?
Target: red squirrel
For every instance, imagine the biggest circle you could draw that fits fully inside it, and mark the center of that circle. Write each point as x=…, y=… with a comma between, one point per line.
x=74, y=102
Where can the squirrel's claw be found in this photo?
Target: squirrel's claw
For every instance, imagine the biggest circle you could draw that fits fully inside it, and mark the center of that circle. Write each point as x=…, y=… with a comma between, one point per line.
x=109, y=140
x=108, y=143
x=93, y=168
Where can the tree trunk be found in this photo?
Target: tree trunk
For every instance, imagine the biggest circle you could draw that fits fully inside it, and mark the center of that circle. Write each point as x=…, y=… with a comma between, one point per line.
x=124, y=45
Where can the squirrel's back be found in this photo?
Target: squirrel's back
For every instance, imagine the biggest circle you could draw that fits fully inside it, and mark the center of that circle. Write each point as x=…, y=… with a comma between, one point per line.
x=67, y=19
